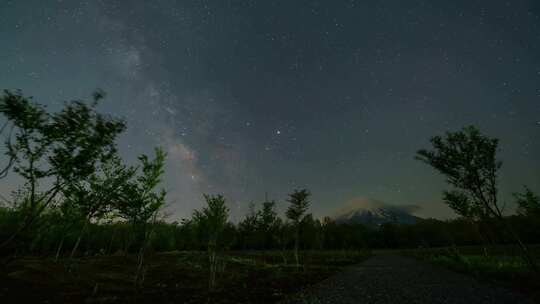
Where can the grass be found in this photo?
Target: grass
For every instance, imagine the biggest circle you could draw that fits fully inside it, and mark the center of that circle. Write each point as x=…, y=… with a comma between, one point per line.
x=482, y=264
x=178, y=277
x=502, y=265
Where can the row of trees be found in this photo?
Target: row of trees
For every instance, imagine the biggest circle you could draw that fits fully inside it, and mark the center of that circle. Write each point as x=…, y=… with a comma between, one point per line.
x=72, y=174
x=262, y=226
x=114, y=237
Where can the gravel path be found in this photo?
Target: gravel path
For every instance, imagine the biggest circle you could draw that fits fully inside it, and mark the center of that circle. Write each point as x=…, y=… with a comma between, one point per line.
x=393, y=279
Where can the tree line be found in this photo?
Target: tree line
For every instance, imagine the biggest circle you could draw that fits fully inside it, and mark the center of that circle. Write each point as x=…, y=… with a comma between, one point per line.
x=263, y=229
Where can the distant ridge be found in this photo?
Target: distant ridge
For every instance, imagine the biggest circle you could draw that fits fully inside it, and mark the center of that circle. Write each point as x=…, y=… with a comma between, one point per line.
x=374, y=212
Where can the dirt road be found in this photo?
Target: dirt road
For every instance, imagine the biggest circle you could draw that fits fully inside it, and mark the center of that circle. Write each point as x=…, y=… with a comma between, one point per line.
x=393, y=279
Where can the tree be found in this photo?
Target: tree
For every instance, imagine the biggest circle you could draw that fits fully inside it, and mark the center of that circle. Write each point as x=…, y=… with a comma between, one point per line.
x=82, y=138
x=299, y=203
x=468, y=160
x=248, y=228
x=269, y=223
x=84, y=157
x=528, y=203
x=99, y=194
x=5, y=170
x=212, y=219
x=26, y=153
x=63, y=147
x=140, y=203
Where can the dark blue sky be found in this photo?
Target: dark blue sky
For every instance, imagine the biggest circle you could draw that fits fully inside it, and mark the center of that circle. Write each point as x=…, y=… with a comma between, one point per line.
x=263, y=96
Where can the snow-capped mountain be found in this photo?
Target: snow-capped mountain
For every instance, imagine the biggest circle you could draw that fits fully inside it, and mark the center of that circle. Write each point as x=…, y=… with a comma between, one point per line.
x=373, y=212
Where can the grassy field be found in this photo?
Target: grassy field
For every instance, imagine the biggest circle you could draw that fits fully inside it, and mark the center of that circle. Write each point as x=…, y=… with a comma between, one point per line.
x=175, y=277
x=501, y=264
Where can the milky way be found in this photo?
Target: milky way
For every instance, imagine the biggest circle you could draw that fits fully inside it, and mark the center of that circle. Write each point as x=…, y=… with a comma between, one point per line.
x=255, y=97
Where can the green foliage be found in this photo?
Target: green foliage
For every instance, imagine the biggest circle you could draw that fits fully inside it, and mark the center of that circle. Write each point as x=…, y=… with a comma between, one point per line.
x=260, y=228
x=71, y=141
x=501, y=265
x=212, y=219
x=73, y=152
x=268, y=216
x=139, y=202
x=28, y=147
x=99, y=194
x=112, y=236
x=28, y=127
x=248, y=228
x=528, y=203
x=82, y=138
x=63, y=147
x=269, y=224
x=461, y=204
x=310, y=235
x=468, y=160
x=299, y=203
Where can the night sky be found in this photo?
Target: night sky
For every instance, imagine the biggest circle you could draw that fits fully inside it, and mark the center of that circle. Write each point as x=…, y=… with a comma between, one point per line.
x=249, y=97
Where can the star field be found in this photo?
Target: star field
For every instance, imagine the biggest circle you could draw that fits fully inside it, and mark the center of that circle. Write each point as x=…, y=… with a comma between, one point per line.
x=249, y=97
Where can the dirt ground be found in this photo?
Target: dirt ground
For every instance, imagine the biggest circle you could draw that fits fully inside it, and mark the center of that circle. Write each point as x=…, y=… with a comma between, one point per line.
x=178, y=277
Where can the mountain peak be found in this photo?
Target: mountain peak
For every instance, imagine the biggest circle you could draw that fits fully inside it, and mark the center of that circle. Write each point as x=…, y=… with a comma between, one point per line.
x=374, y=212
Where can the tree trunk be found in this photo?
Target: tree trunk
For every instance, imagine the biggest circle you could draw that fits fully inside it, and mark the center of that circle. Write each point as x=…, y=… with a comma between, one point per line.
x=109, y=250
x=78, y=240
x=213, y=269
x=59, y=249
x=296, y=245
x=139, y=277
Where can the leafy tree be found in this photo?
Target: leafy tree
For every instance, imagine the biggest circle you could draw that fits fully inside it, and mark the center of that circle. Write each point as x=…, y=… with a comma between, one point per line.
x=311, y=233
x=528, y=203
x=27, y=151
x=468, y=160
x=62, y=148
x=81, y=138
x=269, y=223
x=140, y=203
x=249, y=227
x=212, y=219
x=5, y=170
x=98, y=194
x=299, y=203
x=259, y=228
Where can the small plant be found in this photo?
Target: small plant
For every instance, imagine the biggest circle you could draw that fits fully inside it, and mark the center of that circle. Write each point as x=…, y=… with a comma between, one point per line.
x=140, y=204
x=299, y=203
x=528, y=203
x=212, y=219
